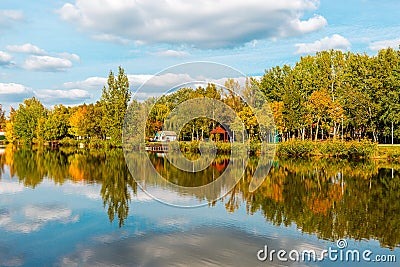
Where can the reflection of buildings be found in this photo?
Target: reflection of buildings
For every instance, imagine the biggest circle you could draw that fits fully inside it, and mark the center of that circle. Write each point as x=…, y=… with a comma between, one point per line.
x=165, y=136
x=220, y=165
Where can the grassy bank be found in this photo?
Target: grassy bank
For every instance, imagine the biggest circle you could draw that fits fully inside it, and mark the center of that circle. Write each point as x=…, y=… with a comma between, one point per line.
x=389, y=152
x=329, y=148
x=292, y=148
x=302, y=148
x=87, y=143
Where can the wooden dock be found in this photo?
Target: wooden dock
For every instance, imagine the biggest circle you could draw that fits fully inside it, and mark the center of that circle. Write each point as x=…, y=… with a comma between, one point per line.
x=156, y=148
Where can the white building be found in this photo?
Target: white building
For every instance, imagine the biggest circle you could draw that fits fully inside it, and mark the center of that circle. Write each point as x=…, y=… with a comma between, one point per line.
x=165, y=136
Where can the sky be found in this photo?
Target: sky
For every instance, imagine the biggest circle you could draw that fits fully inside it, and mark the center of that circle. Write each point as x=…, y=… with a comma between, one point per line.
x=62, y=51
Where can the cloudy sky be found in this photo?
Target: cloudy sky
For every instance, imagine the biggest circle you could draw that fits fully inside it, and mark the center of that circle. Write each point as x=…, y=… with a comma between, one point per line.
x=61, y=51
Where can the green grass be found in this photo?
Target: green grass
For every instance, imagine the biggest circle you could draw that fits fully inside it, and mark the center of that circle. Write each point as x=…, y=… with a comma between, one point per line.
x=328, y=148
x=389, y=152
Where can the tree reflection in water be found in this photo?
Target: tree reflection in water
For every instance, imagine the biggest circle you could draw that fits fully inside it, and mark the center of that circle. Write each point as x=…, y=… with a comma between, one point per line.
x=330, y=198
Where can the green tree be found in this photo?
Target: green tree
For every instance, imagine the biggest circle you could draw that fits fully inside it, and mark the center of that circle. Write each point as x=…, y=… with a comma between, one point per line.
x=273, y=82
x=387, y=69
x=114, y=101
x=27, y=118
x=57, y=123
x=93, y=119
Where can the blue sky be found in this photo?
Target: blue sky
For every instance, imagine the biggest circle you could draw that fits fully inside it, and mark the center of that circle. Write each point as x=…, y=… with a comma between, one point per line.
x=61, y=51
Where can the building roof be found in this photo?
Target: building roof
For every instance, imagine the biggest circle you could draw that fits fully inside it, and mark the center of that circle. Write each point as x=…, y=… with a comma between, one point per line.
x=219, y=129
x=170, y=133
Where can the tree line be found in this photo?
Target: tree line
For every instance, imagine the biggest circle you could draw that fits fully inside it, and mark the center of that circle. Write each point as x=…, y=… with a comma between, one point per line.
x=335, y=94
x=33, y=122
x=331, y=94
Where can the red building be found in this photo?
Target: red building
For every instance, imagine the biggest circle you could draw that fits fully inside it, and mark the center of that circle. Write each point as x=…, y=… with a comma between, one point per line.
x=219, y=134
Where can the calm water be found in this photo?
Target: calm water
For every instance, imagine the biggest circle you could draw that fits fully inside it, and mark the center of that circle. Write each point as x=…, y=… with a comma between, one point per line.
x=83, y=208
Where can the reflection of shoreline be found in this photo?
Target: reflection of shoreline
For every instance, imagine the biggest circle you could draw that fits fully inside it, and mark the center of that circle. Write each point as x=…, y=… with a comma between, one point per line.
x=330, y=198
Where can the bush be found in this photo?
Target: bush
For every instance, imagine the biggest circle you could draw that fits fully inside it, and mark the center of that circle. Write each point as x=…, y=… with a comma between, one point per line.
x=69, y=142
x=330, y=148
x=296, y=148
x=364, y=148
x=333, y=148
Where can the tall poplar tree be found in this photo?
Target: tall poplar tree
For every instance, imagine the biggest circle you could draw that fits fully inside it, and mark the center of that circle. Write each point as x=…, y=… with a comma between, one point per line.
x=114, y=101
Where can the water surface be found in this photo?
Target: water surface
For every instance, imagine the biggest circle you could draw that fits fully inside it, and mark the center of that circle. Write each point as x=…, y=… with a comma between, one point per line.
x=83, y=208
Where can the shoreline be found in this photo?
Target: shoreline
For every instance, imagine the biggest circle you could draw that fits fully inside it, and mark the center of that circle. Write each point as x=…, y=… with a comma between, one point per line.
x=363, y=149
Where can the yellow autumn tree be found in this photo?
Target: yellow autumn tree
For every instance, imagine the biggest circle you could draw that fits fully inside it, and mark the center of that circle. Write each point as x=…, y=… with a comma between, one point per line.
x=277, y=110
x=319, y=106
x=77, y=122
x=10, y=134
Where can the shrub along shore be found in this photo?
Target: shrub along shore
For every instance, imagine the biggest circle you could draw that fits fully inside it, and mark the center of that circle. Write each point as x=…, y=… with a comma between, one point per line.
x=363, y=148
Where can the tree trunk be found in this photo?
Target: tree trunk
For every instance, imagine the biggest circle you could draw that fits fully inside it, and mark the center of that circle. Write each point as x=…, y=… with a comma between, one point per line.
x=334, y=131
x=316, y=133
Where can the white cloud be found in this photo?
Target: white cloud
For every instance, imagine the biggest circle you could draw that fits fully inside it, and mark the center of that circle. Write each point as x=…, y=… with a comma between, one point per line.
x=153, y=85
x=70, y=56
x=111, y=38
x=313, y=24
x=72, y=96
x=26, y=48
x=135, y=80
x=204, y=24
x=91, y=192
x=12, y=90
x=15, y=93
x=40, y=59
x=172, y=53
x=10, y=188
x=378, y=45
x=47, y=63
x=12, y=14
x=34, y=218
x=45, y=214
x=170, y=79
x=5, y=58
x=138, y=79
x=336, y=41
x=89, y=83
x=9, y=16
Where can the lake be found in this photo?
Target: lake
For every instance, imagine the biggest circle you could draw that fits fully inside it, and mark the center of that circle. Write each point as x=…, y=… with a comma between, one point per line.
x=76, y=207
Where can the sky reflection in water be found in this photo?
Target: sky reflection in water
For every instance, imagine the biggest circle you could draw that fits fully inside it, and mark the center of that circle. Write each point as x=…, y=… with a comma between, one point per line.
x=56, y=208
